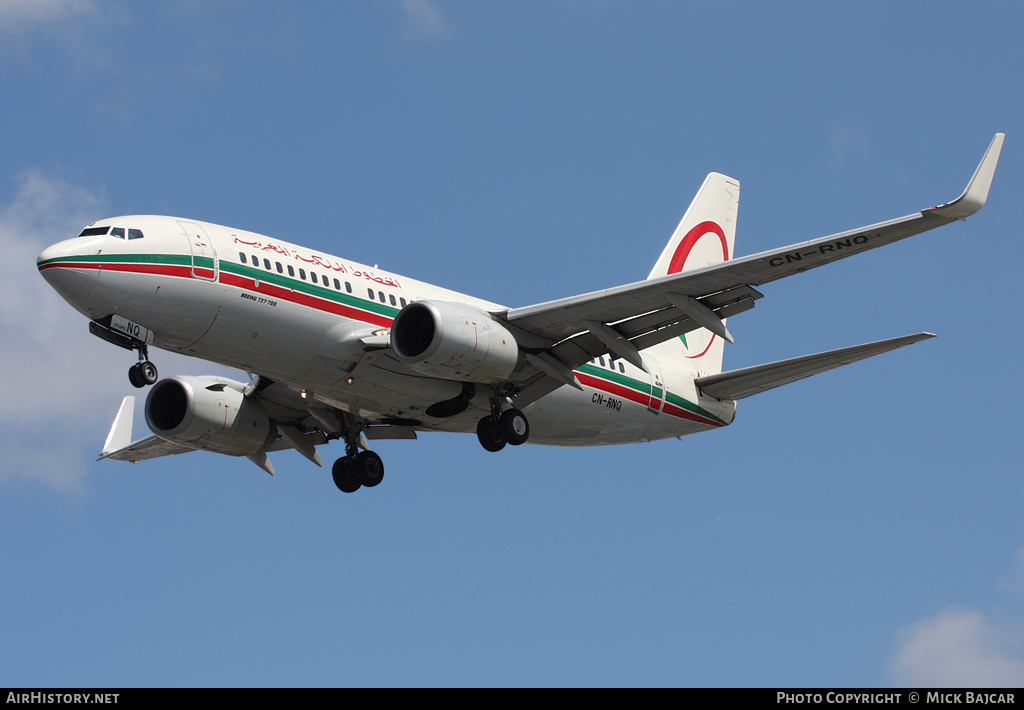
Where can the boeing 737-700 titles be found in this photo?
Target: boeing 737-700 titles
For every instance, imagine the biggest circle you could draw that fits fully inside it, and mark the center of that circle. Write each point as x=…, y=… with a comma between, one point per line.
x=338, y=350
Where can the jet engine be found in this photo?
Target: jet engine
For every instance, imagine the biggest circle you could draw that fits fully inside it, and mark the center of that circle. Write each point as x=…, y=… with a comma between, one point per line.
x=208, y=413
x=454, y=341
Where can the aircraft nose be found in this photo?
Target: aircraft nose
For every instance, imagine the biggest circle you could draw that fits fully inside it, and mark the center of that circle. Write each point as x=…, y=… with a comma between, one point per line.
x=53, y=263
x=53, y=256
x=47, y=256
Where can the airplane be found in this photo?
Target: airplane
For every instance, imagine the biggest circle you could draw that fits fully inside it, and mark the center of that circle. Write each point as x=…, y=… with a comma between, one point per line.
x=339, y=350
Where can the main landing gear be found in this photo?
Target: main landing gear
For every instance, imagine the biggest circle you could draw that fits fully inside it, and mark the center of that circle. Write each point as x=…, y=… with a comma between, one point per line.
x=498, y=429
x=354, y=470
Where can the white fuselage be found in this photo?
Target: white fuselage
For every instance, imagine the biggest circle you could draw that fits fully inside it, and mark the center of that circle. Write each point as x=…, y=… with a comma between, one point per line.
x=296, y=316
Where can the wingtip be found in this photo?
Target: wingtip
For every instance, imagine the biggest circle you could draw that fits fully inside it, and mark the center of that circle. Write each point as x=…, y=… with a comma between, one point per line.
x=976, y=193
x=120, y=434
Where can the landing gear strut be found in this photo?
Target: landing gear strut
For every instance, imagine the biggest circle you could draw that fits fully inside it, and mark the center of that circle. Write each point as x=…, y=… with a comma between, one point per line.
x=500, y=428
x=355, y=470
x=143, y=372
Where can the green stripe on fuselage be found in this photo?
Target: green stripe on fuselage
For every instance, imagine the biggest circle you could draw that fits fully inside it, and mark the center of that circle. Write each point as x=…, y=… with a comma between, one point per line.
x=318, y=291
x=645, y=388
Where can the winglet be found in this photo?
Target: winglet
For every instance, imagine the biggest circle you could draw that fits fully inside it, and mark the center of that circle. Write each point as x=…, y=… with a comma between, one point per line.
x=976, y=193
x=120, y=434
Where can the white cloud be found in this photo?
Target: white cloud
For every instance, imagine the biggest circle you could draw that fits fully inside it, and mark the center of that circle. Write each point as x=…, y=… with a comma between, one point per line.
x=61, y=386
x=52, y=372
x=65, y=31
x=34, y=321
x=61, y=466
x=424, y=19
x=961, y=648
x=21, y=14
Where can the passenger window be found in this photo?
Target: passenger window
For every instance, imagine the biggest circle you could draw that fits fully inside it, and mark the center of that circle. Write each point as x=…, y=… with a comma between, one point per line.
x=302, y=274
x=266, y=264
x=601, y=360
x=370, y=292
x=348, y=287
x=337, y=285
x=326, y=281
x=402, y=301
x=117, y=232
x=279, y=269
x=291, y=270
x=622, y=368
x=242, y=257
x=255, y=260
x=135, y=234
x=381, y=294
x=393, y=301
x=312, y=277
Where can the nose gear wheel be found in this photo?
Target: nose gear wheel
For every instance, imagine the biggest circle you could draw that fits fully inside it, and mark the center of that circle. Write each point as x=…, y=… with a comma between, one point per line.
x=142, y=373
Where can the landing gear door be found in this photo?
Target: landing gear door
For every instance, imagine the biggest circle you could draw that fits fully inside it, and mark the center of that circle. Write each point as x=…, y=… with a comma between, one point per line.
x=657, y=400
x=204, y=256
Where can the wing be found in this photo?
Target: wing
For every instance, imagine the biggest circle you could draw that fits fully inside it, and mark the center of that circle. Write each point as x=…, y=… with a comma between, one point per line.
x=563, y=334
x=296, y=423
x=120, y=447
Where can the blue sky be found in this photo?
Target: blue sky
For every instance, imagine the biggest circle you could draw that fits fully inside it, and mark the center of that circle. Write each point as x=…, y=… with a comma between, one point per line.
x=861, y=528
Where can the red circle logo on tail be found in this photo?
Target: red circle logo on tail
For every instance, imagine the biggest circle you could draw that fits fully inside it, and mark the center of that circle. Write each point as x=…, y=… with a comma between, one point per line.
x=685, y=250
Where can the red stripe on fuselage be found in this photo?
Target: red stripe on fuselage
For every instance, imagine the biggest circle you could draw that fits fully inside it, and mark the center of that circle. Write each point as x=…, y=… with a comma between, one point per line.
x=227, y=278
x=640, y=398
x=159, y=269
x=304, y=299
x=613, y=388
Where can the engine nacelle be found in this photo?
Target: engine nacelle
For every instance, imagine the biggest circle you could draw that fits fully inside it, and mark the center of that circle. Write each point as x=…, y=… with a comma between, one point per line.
x=454, y=341
x=209, y=413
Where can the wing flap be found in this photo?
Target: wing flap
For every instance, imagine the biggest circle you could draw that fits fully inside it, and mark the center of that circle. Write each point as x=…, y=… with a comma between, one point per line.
x=748, y=381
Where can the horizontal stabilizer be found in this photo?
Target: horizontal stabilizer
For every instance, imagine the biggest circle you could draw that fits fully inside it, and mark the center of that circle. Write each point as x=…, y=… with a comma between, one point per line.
x=748, y=381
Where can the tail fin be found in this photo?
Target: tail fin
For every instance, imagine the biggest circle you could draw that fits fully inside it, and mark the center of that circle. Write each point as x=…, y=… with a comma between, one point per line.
x=705, y=236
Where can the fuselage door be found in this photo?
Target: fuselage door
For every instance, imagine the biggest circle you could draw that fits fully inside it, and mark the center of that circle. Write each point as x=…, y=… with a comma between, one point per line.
x=204, y=255
x=657, y=400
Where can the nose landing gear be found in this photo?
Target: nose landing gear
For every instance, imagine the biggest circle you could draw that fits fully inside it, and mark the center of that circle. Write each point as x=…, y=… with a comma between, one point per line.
x=142, y=373
x=122, y=333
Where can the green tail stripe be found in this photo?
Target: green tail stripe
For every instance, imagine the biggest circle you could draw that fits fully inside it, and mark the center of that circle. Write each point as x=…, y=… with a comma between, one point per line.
x=645, y=388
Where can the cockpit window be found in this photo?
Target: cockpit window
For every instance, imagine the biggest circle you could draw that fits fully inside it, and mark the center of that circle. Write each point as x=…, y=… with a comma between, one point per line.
x=135, y=234
x=117, y=232
x=94, y=231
